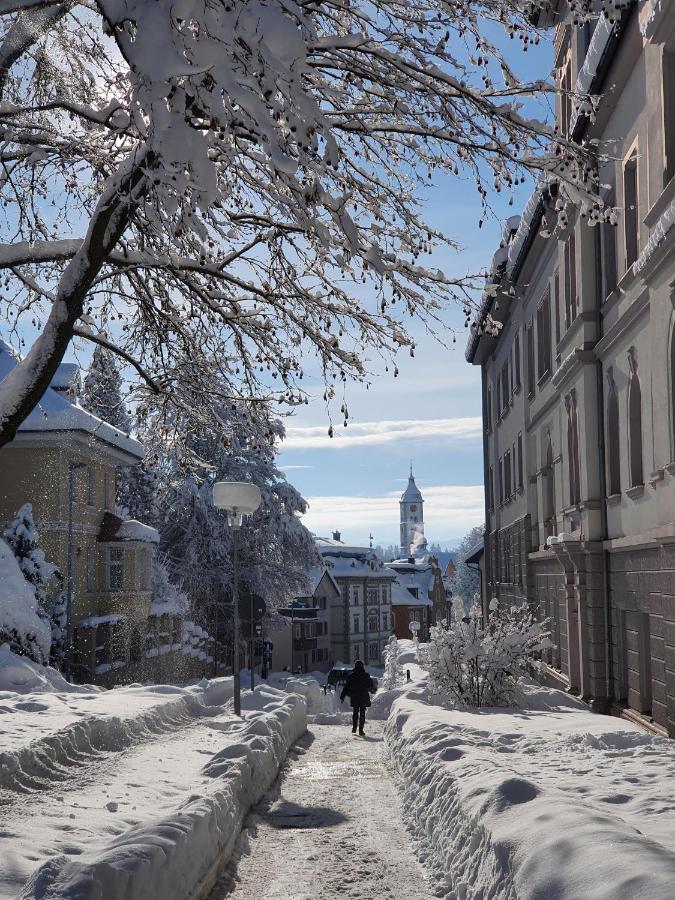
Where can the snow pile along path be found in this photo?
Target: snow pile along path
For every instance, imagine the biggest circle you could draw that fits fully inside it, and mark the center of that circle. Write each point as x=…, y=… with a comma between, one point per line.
x=177, y=855
x=46, y=735
x=548, y=801
x=331, y=828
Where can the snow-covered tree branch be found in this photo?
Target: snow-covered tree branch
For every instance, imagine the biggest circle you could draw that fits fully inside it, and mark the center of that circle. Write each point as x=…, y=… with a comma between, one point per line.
x=239, y=169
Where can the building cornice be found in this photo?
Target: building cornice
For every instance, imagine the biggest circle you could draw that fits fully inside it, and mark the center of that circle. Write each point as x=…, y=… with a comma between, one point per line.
x=570, y=365
x=637, y=308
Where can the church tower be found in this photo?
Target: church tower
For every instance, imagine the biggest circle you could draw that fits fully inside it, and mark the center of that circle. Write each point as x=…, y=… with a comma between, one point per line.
x=413, y=542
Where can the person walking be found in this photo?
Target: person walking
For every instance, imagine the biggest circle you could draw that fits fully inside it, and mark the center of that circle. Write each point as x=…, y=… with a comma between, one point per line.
x=358, y=688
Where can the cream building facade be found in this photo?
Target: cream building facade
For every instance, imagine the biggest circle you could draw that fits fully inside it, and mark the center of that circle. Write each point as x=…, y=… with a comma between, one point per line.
x=61, y=447
x=579, y=387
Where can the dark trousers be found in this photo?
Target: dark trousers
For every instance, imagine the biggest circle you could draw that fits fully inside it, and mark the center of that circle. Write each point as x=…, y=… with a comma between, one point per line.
x=358, y=717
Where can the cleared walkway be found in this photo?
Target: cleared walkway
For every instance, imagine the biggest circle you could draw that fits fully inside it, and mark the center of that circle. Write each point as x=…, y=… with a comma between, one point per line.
x=330, y=828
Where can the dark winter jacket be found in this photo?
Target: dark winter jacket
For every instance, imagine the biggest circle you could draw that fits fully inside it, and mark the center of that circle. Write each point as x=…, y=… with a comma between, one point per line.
x=357, y=688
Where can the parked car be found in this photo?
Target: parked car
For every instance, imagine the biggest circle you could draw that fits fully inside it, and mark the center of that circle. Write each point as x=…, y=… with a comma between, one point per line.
x=337, y=677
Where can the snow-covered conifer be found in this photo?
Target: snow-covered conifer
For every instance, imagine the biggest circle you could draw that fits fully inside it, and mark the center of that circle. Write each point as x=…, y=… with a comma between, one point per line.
x=228, y=206
x=58, y=622
x=22, y=624
x=472, y=663
x=23, y=539
x=465, y=580
x=393, y=672
x=276, y=548
x=102, y=391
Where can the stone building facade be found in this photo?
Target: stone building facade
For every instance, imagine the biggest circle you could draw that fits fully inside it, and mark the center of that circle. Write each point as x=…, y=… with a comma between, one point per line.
x=579, y=385
x=361, y=619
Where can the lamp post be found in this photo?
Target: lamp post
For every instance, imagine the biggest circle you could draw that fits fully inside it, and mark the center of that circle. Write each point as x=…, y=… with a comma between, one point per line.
x=238, y=499
x=68, y=661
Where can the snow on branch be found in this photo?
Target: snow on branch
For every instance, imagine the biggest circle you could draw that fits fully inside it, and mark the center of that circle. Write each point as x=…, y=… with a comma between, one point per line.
x=242, y=169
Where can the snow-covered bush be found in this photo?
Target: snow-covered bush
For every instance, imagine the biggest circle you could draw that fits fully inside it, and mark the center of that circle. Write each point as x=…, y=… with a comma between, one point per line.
x=26, y=632
x=393, y=673
x=477, y=664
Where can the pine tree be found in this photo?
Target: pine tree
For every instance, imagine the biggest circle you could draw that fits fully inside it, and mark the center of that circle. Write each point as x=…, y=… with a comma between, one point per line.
x=22, y=537
x=466, y=581
x=58, y=621
x=102, y=393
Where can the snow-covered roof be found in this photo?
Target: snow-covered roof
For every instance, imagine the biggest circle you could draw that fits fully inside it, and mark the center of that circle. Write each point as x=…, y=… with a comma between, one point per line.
x=133, y=530
x=355, y=567
x=412, y=493
x=401, y=596
x=55, y=413
x=314, y=577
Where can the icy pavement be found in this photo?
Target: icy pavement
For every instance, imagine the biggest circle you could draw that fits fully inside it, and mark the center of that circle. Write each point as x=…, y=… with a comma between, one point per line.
x=330, y=828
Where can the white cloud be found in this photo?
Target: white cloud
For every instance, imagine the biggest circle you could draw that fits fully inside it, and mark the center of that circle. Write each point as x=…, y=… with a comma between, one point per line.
x=449, y=512
x=361, y=434
x=284, y=468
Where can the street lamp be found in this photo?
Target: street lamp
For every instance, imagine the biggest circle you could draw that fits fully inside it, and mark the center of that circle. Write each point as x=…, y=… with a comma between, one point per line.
x=238, y=499
x=72, y=468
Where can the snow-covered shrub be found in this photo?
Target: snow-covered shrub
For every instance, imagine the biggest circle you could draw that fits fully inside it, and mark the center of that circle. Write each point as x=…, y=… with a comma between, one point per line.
x=26, y=632
x=477, y=664
x=393, y=673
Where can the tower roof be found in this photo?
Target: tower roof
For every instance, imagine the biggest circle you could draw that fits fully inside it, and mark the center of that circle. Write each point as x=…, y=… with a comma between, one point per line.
x=412, y=492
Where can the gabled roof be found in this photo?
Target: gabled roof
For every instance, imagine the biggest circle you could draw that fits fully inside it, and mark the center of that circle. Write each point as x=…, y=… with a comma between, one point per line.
x=56, y=414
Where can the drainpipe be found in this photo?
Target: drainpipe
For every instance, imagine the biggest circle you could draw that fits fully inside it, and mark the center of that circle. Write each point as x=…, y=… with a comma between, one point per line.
x=602, y=468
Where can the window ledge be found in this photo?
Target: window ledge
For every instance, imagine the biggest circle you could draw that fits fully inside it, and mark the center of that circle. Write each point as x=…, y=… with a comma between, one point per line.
x=655, y=477
x=613, y=499
x=636, y=491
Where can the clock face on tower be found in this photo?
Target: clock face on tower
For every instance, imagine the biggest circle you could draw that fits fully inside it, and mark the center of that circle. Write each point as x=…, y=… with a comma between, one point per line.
x=413, y=508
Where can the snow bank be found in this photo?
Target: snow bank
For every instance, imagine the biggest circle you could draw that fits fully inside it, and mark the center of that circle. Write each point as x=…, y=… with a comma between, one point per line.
x=19, y=620
x=68, y=732
x=549, y=801
x=20, y=675
x=179, y=855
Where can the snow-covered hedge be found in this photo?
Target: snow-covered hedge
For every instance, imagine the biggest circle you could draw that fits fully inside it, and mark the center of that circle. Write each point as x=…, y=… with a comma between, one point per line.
x=21, y=626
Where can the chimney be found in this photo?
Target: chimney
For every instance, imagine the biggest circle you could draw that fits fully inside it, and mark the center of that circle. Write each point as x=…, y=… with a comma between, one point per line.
x=336, y=535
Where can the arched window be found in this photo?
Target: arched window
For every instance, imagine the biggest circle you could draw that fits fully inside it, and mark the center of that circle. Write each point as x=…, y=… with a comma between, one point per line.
x=612, y=438
x=634, y=422
x=549, y=490
x=573, y=448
